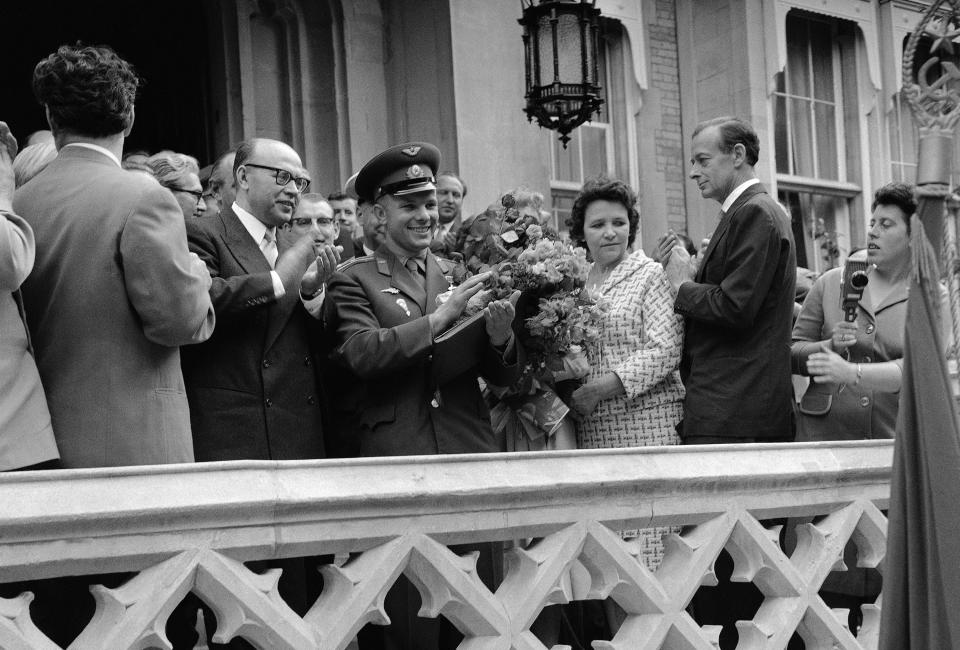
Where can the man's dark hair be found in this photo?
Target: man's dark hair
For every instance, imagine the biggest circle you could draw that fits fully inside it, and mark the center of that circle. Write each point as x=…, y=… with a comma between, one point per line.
x=602, y=188
x=88, y=90
x=898, y=194
x=340, y=196
x=459, y=180
x=734, y=131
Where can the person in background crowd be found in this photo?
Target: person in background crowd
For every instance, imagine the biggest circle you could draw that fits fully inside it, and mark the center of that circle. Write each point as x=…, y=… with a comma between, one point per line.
x=211, y=201
x=180, y=174
x=136, y=161
x=737, y=300
x=32, y=160
x=221, y=184
x=451, y=190
x=345, y=212
x=371, y=226
x=385, y=316
x=113, y=294
x=633, y=396
x=26, y=433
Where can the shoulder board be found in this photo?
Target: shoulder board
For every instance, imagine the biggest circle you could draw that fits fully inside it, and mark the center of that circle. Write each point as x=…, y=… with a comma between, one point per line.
x=353, y=261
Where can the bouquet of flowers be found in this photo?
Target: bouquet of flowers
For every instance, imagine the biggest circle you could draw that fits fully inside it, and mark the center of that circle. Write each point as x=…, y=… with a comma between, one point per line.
x=560, y=321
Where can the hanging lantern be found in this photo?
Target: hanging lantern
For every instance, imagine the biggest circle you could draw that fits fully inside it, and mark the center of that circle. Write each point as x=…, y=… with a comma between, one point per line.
x=560, y=39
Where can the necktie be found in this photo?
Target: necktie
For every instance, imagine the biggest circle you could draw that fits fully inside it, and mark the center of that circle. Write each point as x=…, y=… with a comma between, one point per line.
x=269, y=247
x=415, y=270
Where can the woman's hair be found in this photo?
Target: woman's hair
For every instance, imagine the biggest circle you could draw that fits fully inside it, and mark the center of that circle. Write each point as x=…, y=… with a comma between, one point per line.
x=31, y=161
x=602, y=188
x=171, y=168
x=88, y=90
x=897, y=194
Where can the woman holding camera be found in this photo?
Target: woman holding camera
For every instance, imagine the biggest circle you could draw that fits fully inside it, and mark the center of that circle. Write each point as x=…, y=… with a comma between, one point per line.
x=855, y=367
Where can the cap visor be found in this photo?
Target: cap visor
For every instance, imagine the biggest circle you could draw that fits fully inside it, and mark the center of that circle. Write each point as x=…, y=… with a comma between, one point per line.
x=426, y=186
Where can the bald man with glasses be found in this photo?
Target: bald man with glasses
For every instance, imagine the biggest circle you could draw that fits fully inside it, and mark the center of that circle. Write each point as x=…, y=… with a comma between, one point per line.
x=253, y=387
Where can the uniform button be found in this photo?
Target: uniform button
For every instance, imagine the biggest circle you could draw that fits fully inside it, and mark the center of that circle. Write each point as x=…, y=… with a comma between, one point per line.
x=310, y=400
x=429, y=357
x=869, y=328
x=867, y=360
x=434, y=403
x=268, y=402
x=864, y=401
x=266, y=364
x=306, y=361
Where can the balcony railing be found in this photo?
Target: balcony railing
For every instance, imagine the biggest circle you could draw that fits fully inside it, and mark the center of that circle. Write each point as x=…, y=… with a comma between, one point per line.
x=190, y=527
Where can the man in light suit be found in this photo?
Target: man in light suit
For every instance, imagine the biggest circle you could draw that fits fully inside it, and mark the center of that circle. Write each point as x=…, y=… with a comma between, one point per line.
x=113, y=294
x=26, y=435
x=114, y=291
x=385, y=316
x=738, y=306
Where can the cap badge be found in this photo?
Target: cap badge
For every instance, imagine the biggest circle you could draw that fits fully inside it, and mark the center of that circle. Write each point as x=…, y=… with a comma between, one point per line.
x=414, y=171
x=412, y=150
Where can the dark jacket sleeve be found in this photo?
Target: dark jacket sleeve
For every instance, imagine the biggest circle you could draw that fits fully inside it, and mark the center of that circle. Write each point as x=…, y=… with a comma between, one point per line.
x=233, y=295
x=753, y=248
x=364, y=347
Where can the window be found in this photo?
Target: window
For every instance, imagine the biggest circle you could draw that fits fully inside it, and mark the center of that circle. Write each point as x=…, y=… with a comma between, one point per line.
x=591, y=149
x=816, y=137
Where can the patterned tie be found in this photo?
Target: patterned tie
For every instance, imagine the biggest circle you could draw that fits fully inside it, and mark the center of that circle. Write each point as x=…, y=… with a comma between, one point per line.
x=269, y=247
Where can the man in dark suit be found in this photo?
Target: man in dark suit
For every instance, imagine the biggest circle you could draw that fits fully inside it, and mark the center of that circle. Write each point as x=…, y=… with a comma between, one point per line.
x=739, y=313
x=385, y=316
x=253, y=387
x=739, y=302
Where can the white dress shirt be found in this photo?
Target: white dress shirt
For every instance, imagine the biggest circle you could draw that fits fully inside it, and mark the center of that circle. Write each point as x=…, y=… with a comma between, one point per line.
x=735, y=194
x=257, y=229
x=95, y=147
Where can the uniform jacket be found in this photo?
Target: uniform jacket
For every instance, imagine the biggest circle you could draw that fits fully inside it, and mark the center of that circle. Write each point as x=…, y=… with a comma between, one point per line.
x=382, y=334
x=739, y=311
x=26, y=435
x=253, y=386
x=111, y=298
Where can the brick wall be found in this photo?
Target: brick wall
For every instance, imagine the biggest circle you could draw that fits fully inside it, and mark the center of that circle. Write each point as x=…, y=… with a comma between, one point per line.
x=664, y=80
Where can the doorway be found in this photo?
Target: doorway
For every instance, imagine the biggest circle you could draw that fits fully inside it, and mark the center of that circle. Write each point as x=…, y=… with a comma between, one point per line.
x=166, y=42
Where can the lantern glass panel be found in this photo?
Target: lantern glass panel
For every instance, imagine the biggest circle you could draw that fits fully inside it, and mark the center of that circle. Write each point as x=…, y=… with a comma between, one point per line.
x=570, y=49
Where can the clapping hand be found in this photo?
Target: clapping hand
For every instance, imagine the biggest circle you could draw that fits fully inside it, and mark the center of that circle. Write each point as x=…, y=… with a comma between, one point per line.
x=454, y=305
x=499, y=319
x=665, y=246
x=322, y=269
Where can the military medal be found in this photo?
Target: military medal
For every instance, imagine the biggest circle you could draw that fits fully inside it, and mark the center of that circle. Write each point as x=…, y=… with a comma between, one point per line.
x=403, y=305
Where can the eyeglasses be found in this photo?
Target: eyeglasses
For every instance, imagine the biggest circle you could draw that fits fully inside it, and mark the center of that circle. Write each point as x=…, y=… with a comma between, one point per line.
x=282, y=176
x=197, y=194
x=306, y=222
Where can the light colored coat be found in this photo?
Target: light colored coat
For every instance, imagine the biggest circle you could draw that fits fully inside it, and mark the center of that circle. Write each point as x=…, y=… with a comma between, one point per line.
x=26, y=435
x=112, y=296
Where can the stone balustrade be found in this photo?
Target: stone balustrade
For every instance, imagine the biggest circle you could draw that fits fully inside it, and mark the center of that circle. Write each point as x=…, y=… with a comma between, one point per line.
x=190, y=527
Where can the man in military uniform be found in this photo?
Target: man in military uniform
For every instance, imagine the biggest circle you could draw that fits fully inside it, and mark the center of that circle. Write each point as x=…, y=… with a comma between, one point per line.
x=384, y=312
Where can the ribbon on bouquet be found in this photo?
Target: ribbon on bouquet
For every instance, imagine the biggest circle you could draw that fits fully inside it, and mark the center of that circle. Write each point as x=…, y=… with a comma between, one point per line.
x=529, y=421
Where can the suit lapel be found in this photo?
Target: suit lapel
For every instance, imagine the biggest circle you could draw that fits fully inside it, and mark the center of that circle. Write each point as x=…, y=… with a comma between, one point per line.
x=722, y=227
x=282, y=310
x=241, y=245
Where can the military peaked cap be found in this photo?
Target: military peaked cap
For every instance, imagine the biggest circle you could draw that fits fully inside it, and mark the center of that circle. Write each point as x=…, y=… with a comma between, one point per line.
x=403, y=169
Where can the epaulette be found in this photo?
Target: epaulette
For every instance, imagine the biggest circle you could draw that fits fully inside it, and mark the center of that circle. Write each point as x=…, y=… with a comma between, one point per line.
x=353, y=261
